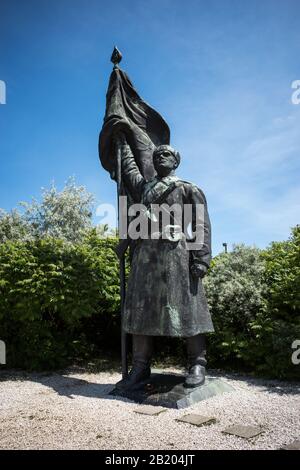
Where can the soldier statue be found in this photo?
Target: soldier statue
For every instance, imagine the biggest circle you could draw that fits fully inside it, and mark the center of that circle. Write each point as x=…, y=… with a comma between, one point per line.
x=165, y=296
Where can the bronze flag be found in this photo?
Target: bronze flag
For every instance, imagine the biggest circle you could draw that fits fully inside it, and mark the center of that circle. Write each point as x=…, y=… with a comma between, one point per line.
x=144, y=127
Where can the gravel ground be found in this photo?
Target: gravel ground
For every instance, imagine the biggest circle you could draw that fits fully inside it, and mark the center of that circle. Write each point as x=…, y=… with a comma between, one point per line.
x=72, y=410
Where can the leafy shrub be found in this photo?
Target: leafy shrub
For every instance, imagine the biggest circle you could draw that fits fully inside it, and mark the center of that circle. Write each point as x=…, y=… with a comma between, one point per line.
x=254, y=297
x=282, y=280
x=47, y=288
x=59, y=296
x=234, y=289
x=65, y=214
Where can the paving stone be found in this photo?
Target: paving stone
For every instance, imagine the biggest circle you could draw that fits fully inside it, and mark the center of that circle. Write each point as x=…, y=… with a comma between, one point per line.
x=292, y=446
x=243, y=431
x=150, y=410
x=197, y=420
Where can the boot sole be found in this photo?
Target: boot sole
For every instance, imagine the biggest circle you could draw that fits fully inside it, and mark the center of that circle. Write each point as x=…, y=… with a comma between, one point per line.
x=132, y=387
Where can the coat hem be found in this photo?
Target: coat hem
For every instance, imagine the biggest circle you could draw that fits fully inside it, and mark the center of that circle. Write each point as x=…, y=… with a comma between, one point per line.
x=183, y=334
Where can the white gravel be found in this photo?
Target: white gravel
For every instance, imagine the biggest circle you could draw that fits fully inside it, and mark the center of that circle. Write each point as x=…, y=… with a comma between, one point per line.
x=74, y=411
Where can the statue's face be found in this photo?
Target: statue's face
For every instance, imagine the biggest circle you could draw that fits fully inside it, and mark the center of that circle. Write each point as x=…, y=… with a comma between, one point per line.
x=164, y=161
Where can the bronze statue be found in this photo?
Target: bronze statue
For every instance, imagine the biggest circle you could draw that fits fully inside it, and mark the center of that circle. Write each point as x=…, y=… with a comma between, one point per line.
x=164, y=295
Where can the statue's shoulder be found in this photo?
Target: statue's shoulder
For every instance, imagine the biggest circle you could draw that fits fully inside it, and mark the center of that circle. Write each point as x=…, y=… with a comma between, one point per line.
x=192, y=190
x=189, y=185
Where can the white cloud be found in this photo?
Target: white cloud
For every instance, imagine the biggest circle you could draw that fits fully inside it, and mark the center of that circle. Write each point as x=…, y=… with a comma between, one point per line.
x=251, y=183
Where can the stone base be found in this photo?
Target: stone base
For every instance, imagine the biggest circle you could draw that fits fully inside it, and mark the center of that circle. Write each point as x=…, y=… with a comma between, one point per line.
x=165, y=389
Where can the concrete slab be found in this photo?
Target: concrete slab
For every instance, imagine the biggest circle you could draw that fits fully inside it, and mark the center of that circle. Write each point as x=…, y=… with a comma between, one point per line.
x=246, y=432
x=197, y=420
x=167, y=390
x=292, y=446
x=150, y=410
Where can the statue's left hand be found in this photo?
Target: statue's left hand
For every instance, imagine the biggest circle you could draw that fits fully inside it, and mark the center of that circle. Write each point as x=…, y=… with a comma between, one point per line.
x=198, y=270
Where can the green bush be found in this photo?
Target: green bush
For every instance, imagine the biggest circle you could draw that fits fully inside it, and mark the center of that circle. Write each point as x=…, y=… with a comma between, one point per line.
x=254, y=297
x=282, y=280
x=235, y=294
x=48, y=288
x=60, y=301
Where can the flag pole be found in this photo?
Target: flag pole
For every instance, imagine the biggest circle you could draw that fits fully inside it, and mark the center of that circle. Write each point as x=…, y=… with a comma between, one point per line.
x=121, y=273
x=115, y=59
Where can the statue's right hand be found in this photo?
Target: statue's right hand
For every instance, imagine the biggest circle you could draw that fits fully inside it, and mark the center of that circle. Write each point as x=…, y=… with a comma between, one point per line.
x=198, y=270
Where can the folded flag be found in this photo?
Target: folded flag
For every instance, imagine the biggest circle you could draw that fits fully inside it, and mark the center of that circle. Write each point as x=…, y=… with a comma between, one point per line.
x=144, y=127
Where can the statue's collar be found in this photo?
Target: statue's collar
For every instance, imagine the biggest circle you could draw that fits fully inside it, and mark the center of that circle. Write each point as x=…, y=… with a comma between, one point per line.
x=166, y=179
x=158, y=188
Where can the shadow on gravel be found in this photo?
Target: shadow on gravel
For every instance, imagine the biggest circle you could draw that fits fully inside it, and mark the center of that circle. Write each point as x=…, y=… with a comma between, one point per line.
x=68, y=386
x=278, y=387
x=63, y=384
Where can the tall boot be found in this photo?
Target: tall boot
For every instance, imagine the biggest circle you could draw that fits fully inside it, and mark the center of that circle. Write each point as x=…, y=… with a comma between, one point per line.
x=142, y=347
x=196, y=350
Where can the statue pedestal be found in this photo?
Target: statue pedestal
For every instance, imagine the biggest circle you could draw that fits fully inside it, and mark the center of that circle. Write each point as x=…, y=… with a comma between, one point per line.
x=166, y=389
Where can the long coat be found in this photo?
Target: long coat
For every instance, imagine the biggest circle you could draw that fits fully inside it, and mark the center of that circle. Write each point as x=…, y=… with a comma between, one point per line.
x=163, y=298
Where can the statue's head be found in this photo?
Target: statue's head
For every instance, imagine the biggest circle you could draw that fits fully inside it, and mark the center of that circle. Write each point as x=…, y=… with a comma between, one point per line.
x=165, y=160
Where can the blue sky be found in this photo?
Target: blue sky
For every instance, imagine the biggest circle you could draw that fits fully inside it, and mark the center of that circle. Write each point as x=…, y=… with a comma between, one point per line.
x=220, y=73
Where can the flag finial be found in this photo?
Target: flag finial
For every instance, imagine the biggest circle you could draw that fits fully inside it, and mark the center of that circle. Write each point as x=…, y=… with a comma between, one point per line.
x=116, y=57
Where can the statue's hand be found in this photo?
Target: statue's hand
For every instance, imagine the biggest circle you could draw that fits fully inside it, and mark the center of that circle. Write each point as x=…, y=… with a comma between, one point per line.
x=198, y=270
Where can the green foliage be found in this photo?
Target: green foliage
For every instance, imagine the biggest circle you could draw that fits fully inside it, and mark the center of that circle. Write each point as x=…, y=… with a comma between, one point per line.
x=234, y=289
x=254, y=297
x=59, y=292
x=14, y=227
x=65, y=214
x=57, y=279
x=48, y=288
x=282, y=277
x=282, y=280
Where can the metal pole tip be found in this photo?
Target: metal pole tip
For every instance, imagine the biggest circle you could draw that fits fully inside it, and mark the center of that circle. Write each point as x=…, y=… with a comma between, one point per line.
x=116, y=57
